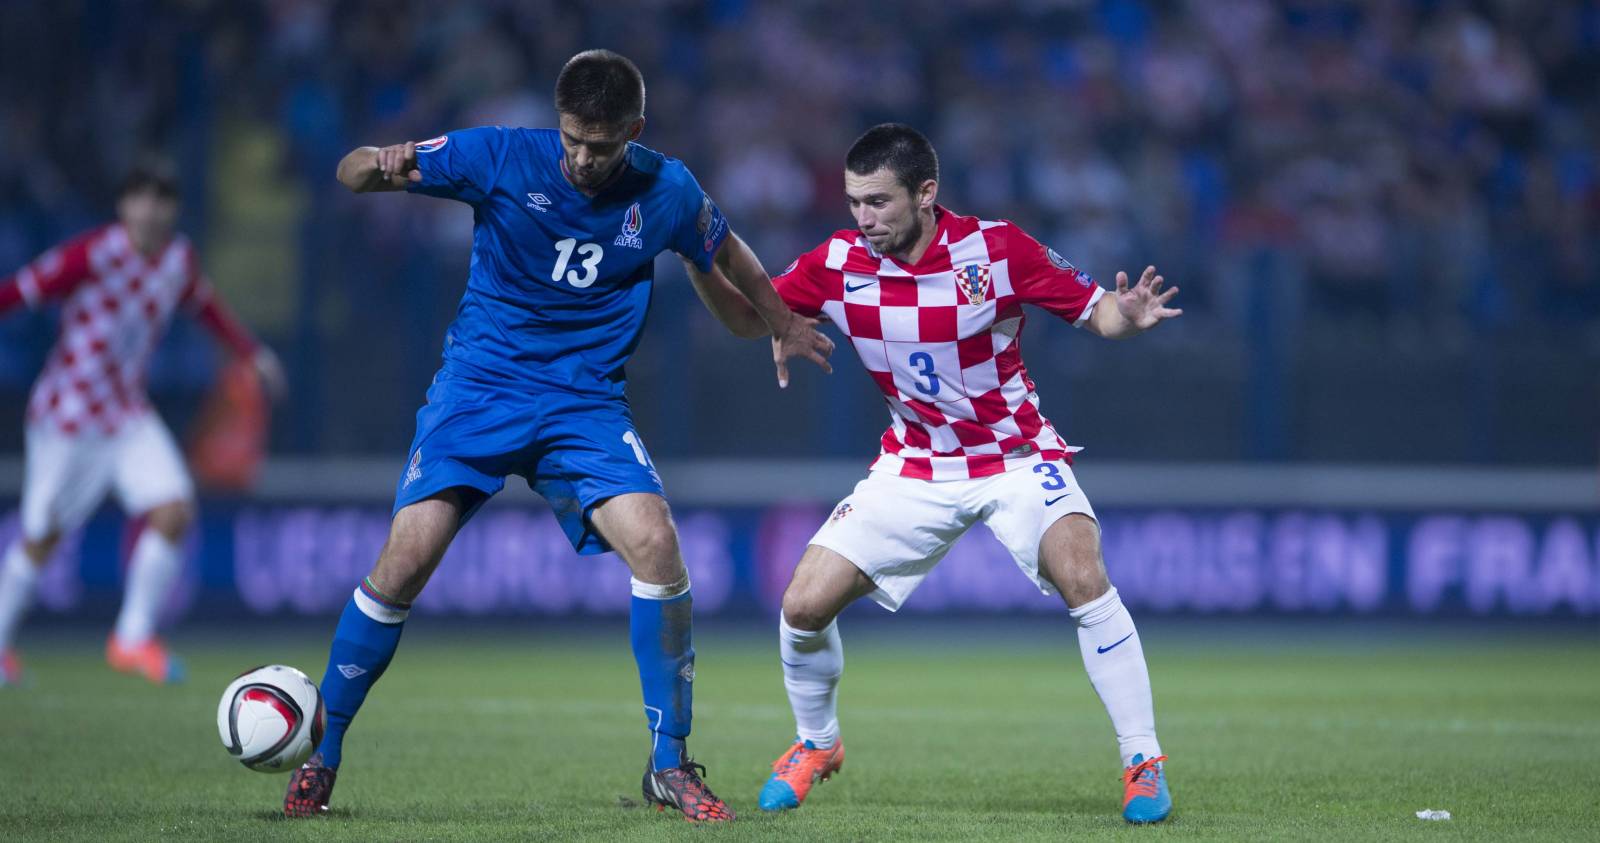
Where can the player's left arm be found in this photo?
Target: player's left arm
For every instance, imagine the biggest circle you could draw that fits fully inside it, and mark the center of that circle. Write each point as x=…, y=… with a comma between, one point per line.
x=217, y=318
x=1042, y=277
x=720, y=265
x=1133, y=310
x=725, y=302
x=735, y=272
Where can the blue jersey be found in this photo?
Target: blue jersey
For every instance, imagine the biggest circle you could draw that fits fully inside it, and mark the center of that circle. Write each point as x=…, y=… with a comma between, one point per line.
x=559, y=281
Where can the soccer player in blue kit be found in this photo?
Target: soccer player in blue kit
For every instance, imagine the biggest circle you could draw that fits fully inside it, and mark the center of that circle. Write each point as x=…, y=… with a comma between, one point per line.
x=567, y=225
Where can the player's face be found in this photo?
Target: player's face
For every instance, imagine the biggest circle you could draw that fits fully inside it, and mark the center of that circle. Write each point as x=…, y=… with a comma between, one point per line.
x=593, y=152
x=149, y=215
x=889, y=215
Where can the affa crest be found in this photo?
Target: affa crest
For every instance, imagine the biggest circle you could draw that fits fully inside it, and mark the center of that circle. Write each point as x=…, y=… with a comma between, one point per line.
x=414, y=470
x=974, y=279
x=632, y=224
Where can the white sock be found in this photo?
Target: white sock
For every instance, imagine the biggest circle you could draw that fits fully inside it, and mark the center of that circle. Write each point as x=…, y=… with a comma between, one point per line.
x=156, y=561
x=812, y=665
x=18, y=579
x=1115, y=661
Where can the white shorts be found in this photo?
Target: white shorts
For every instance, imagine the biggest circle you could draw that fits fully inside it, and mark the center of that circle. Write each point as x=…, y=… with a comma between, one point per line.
x=66, y=477
x=895, y=529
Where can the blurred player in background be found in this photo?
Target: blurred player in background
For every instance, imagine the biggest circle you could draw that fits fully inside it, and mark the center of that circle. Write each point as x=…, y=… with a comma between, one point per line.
x=90, y=427
x=567, y=226
x=932, y=302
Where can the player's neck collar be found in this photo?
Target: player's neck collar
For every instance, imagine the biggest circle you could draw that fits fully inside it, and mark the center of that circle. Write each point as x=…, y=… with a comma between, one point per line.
x=940, y=216
x=616, y=174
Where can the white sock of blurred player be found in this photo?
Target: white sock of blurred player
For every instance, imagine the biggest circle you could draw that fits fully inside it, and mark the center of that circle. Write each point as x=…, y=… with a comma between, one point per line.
x=1115, y=660
x=812, y=665
x=156, y=560
x=18, y=579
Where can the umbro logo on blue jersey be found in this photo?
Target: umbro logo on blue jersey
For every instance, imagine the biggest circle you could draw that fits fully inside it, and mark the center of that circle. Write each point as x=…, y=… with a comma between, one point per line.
x=538, y=202
x=632, y=224
x=1113, y=646
x=351, y=671
x=1056, y=500
x=862, y=286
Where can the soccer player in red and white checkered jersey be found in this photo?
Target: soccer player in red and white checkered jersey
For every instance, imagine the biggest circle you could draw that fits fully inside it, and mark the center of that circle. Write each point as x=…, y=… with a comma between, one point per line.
x=933, y=303
x=90, y=428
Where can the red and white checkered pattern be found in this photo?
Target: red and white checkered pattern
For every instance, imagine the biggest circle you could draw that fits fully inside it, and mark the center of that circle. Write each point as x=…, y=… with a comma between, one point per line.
x=961, y=404
x=116, y=304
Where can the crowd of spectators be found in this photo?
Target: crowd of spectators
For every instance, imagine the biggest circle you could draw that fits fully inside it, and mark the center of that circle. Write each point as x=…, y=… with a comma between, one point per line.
x=1417, y=174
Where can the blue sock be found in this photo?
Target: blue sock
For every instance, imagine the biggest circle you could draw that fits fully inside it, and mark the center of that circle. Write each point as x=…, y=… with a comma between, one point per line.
x=363, y=644
x=660, y=624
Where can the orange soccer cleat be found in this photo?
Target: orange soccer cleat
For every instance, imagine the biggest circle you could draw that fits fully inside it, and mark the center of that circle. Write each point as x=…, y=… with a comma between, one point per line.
x=10, y=668
x=1145, y=798
x=151, y=659
x=796, y=770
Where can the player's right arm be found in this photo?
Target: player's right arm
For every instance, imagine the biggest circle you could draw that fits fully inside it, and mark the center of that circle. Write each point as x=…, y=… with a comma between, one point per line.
x=373, y=168
x=52, y=275
x=460, y=165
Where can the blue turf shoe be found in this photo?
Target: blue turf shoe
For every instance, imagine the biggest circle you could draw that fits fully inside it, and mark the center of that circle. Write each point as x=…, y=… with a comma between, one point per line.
x=1145, y=798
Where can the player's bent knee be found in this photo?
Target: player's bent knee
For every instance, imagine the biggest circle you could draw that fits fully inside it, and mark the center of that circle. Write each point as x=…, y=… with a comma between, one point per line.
x=1069, y=556
x=418, y=538
x=659, y=545
x=39, y=550
x=171, y=520
x=804, y=611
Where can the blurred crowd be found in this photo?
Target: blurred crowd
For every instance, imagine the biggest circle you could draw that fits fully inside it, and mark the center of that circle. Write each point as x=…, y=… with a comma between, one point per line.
x=1335, y=184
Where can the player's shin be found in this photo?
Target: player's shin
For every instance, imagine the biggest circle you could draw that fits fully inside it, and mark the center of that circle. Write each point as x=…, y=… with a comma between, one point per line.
x=1114, y=659
x=156, y=562
x=660, y=624
x=813, y=661
x=18, y=579
x=363, y=644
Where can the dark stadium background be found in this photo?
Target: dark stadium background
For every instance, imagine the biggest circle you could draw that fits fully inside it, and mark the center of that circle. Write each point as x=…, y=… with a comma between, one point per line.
x=1351, y=496
x=1385, y=219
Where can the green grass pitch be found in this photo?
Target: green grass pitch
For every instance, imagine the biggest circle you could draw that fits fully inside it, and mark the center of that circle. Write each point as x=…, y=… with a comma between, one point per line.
x=955, y=731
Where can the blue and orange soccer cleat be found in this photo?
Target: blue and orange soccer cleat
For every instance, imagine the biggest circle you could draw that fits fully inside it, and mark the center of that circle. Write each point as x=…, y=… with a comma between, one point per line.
x=1145, y=798
x=796, y=771
x=10, y=668
x=681, y=788
x=151, y=659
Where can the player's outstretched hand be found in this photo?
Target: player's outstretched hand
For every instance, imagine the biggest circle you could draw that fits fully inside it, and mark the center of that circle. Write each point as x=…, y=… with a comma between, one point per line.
x=398, y=163
x=800, y=338
x=1144, y=304
x=273, y=381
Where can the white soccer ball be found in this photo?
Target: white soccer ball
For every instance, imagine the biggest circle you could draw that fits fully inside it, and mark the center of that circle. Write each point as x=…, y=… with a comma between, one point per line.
x=271, y=718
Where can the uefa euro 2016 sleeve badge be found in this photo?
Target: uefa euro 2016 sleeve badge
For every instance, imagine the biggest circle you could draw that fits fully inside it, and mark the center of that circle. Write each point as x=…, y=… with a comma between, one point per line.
x=973, y=279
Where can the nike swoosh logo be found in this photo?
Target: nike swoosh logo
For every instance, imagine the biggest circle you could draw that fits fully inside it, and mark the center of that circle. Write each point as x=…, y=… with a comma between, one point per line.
x=861, y=286
x=1113, y=646
x=787, y=663
x=1054, y=501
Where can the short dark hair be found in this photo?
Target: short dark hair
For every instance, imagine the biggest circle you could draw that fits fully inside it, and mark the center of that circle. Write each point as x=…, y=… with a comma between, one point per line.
x=600, y=88
x=150, y=172
x=904, y=150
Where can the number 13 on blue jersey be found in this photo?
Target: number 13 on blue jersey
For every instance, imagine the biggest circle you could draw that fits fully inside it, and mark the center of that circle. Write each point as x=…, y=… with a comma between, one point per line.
x=589, y=255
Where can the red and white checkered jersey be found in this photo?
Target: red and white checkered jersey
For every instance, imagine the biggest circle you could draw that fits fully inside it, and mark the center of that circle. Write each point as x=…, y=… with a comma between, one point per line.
x=116, y=303
x=941, y=339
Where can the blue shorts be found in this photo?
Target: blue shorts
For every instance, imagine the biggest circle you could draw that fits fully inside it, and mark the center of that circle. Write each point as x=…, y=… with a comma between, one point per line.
x=576, y=451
